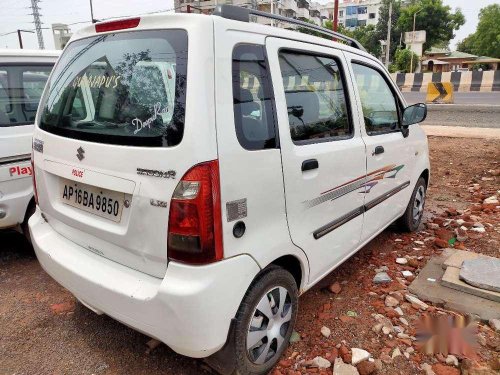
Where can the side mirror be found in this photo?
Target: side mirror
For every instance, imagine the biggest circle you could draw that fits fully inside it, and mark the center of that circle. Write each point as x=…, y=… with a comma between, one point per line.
x=414, y=114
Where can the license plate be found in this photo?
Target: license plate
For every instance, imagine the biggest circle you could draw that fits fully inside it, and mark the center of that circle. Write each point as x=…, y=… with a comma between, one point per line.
x=95, y=200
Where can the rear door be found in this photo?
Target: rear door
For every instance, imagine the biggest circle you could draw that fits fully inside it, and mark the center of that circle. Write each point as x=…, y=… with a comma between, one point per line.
x=391, y=153
x=113, y=142
x=323, y=155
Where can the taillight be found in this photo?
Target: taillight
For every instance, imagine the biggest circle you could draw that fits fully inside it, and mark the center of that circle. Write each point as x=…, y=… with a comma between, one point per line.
x=129, y=23
x=195, y=224
x=35, y=192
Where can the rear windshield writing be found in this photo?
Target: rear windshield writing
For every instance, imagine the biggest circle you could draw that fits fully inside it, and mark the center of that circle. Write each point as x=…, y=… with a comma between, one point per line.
x=126, y=88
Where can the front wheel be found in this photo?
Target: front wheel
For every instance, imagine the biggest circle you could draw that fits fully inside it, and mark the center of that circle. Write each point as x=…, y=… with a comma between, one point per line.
x=264, y=322
x=414, y=211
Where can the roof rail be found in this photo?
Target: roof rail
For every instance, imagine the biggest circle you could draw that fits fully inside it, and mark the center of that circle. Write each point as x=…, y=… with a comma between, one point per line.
x=243, y=14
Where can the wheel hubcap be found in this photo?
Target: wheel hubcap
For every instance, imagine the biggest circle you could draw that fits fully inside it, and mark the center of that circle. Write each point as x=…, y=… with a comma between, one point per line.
x=418, y=204
x=269, y=325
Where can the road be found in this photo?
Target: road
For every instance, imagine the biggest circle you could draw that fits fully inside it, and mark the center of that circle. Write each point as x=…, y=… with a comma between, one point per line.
x=487, y=98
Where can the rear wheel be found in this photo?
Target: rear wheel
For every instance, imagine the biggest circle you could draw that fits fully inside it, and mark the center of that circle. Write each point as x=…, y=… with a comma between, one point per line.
x=415, y=209
x=265, y=322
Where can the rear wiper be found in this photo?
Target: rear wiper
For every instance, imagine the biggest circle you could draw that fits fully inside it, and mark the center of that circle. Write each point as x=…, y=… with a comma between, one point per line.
x=91, y=124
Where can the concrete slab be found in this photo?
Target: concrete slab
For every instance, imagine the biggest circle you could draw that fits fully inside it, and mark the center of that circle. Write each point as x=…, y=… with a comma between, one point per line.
x=482, y=273
x=458, y=257
x=451, y=279
x=451, y=299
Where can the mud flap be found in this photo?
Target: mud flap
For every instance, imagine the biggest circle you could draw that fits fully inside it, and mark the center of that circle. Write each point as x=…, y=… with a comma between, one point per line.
x=224, y=361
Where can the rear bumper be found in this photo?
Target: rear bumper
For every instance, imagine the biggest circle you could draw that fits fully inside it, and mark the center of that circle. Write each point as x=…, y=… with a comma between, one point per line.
x=15, y=196
x=190, y=309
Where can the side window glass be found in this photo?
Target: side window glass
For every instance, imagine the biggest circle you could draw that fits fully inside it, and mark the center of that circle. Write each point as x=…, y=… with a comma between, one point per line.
x=5, y=106
x=253, y=98
x=377, y=100
x=315, y=97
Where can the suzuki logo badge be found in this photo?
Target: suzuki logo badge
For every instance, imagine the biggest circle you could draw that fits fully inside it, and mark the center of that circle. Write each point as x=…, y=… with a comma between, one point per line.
x=80, y=153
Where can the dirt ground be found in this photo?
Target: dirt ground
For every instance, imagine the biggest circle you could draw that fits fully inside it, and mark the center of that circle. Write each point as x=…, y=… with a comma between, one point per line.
x=44, y=331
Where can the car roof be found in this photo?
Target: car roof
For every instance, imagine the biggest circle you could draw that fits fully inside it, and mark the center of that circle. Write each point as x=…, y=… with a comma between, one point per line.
x=30, y=52
x=160, y=20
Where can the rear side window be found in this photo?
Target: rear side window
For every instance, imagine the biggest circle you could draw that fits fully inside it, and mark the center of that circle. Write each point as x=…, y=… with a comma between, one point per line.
x=126, y=88
x=379, y=105
x=20, y=90
x=252, y=98
x=315, y=97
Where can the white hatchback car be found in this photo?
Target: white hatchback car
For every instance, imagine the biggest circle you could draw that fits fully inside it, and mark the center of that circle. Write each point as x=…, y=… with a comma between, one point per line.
x=23, y=74
x=196, y=174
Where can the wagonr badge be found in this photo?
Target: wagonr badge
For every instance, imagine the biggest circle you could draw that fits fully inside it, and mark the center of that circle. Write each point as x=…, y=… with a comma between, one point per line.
x=156, y=173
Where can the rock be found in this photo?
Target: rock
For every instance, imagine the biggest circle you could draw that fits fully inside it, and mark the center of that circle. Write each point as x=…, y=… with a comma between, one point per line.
x=420, y=243
x=407, y=274
x=403, y=320
x=344, y=354
x=325, y=331
x=478, y=229
x=335, y=288
x=391, y=301
x=341, y=368
x=491, y=200
x=382, y=269
x=386, y=358
x=428, y=369
x=359, y=355
x=381, y=278
x=377, y=327
x=401, y=260
x=495, y=324
x=366, y=368
x=295, y=337
x=471, y=367
x=415, y=301
x=399, y=311
x=440, y=369
x=152, y=345
x=451, y=360
x=395, y=353
x=63, y=308
x=320, y=362
x=461, y=234
x=440, y=243
x=386, y=330
x=482, y=273
x=410, y=350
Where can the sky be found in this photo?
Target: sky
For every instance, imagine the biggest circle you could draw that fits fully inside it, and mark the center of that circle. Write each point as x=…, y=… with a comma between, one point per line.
x=15, y=15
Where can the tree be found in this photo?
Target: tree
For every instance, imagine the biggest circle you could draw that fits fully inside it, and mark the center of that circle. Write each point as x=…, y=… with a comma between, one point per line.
x=380, y=32
x=434, y=17
x=467, y=44
x=486, y=40
x=403, y=58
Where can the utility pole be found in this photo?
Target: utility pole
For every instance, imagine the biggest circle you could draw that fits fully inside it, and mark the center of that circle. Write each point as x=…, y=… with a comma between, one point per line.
x=20, y=37
x=38, y=24
x=92, y=13
x=413, y=39
x=336, y=15
x=272, y=12
x=388, y=44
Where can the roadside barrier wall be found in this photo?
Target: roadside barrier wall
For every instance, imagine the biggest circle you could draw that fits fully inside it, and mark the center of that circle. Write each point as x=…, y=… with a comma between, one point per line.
x=462, y=81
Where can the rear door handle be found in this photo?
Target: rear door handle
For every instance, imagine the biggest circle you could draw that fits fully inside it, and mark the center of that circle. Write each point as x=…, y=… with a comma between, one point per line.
x=378, y=150
x=310, y=164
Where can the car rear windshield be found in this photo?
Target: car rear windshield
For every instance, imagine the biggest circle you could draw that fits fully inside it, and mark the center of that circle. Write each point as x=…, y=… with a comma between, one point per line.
x=126, y=88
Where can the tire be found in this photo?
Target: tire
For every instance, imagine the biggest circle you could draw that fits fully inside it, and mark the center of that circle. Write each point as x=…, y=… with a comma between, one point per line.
x=275, y=329
x=412, y=217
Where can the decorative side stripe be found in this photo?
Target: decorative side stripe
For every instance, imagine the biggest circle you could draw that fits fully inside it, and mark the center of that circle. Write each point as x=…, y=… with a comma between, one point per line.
x=331, y=226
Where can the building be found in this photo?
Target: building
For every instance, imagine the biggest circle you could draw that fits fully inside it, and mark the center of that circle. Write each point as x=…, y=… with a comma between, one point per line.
x=62, y=34
x=351, y=14
x=444, y=60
